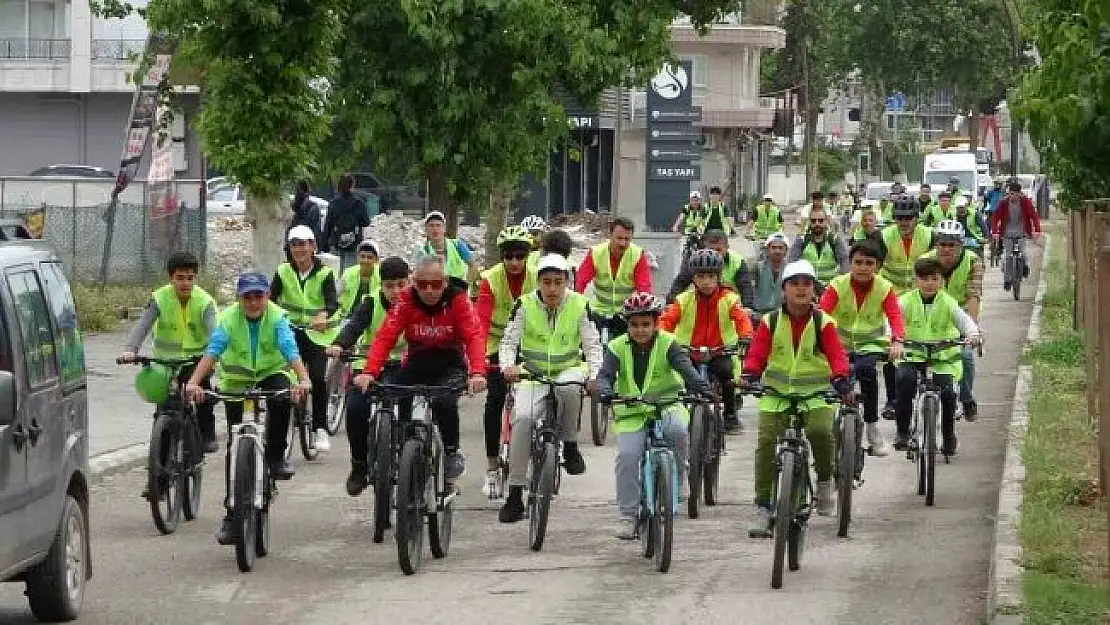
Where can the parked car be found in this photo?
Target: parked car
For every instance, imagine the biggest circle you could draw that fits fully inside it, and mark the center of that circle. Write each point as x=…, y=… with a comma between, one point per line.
x=72, y=171
x=389, y=197
x=44, y=430
x=215, y=183
x=875, y=192
x=232, y=200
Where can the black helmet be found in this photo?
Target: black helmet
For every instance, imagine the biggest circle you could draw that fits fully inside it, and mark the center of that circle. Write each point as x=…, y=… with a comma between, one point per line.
x=906, y=206
x=705, y=261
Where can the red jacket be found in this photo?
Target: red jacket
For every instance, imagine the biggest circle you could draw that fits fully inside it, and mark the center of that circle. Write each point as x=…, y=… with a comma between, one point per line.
x=759, y=352
x=1001, y=214
x=641, y=275
x=450, y=324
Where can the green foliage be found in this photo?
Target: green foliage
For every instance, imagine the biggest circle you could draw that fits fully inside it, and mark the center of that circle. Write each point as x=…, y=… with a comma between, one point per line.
x=99, y=306
x=1065, y=100
x=832, y=165
x=825, y=31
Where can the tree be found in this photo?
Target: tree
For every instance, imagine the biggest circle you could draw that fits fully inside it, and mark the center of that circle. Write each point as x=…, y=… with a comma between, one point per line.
x=264, y=113
x=1065, y=98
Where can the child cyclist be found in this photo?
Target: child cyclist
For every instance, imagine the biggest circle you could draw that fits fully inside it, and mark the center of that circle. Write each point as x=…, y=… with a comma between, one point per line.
x=709, y=315
x=359, y=281
x=796, y=350
x=931, y=314
x=645, y=362
x=358, y=332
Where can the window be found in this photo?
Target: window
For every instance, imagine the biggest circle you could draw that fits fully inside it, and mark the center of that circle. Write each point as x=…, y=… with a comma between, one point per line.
x=224, y=194
x=34, y=327
x=67, y=342
x=700, y=64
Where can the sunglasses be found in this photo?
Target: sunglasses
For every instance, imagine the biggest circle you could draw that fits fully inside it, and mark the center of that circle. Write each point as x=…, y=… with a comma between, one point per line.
x=429, y=285
x=515, y=256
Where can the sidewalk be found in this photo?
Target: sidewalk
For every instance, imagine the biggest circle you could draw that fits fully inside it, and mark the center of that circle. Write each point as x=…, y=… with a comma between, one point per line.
x=118, y=418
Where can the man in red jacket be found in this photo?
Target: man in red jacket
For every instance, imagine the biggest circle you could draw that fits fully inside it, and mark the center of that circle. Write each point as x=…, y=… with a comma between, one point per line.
x=444, y=342
x=1015, y=218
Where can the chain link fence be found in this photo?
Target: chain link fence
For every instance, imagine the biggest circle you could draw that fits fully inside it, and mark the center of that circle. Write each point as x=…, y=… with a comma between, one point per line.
x=75, y=216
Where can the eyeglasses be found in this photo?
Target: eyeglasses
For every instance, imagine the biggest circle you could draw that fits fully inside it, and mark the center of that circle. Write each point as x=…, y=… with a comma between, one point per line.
x=429, y=285
x=515, y=256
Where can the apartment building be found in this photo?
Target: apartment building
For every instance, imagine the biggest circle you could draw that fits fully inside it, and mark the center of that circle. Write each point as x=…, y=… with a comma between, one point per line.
x=64, y=89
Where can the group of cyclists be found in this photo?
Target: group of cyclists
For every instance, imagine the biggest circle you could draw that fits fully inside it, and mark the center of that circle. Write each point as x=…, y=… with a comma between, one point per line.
x=819, y=311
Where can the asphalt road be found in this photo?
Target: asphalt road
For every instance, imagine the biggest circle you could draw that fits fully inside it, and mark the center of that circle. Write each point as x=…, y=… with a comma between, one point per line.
x=904, y=563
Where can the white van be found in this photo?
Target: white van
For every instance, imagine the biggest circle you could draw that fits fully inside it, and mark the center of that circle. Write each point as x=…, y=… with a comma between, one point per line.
x=941, y=166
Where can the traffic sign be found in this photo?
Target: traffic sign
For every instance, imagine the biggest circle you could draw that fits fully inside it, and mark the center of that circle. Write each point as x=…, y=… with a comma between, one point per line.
x=896, y=102
x=676, y=171
x=671, y=153
x=686, y=134
x=686, y=114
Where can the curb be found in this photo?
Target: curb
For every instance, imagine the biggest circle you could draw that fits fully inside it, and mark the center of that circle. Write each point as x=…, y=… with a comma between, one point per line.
x=1004, y=599
x=116, y=461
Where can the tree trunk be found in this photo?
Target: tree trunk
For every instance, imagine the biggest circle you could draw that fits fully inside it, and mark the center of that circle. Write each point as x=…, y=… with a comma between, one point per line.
x=973, y=131
x=811, y=151
x=439, y=200
x=500, y=204
x=268, y=222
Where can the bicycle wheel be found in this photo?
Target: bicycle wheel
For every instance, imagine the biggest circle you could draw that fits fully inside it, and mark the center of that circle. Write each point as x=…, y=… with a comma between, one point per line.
x=441, y=502
x=803, y=496
x=245, y=517
x=665, y=483
x=383, y=471
x=1015, y=288
x=410, y=507
x=699, y=439
x=304, y=429
x=291, y=434
x=845, y=469
x=193, y=471
x=544, y=469
x=599, y=422
x=930, y=411
x=337, y=395
x=164, y=462
x=262, y=516
x=784, y=515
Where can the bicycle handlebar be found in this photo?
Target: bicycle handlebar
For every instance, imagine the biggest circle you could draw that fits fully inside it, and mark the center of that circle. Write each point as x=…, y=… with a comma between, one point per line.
x=740, y=348
x=656, y=402
x=826, y=394
x=254, y=393
x=413, y=390
x=539, y=379
x=165, y=362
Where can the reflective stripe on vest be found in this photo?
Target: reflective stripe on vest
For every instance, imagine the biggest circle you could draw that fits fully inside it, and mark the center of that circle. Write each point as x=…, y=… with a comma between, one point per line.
x=350, y=283
x=766, y=221
x=687, y=302
x=179, y=331
x=503, y=301
x=550, y=351
x=302, y=303
x=796, y=372
x=824, y=263
x=956, y=283
x=660, y=380
x=239, y=367
x=934, y=324
x=863, y=328
x=695, y=218
x=610, y=291
x=897, y=266
x=453, y=264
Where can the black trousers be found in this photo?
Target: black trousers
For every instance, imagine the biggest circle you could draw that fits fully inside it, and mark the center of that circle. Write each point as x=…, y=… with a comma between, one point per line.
x=865, y=369
x=907, y=390
x=206, y=415
x=315, y=359
x=437, y=367
x=496, y=392
x=277, y=424
x=358, y=417
x=721, y=369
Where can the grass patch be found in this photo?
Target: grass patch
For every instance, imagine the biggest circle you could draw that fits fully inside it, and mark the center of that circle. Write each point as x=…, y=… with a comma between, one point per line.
x=1063, y=523
x=98, y=306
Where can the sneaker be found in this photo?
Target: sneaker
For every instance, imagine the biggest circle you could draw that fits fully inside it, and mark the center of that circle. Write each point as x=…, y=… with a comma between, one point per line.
x=321, y=441
x=356, y=481
x=1005, y=285
x=513, y=508
x=888, y=411
x=764, y=525
x=573, y=461
x=826, y=504
x=226, y=534
x=949, y=447
x=454, y=465
x=282, y=470
x=875, y=440
x=901, y=442
x=971, y=411
x=492, y=487
x=1024, y=270
x=626, y=528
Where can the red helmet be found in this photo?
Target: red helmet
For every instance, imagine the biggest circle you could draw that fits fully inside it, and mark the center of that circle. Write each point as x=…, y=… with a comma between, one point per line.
x=642, y=304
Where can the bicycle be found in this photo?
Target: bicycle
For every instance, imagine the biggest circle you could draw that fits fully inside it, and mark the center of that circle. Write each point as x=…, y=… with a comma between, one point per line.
x=253, y=486
x=707, y=430
x=922, y=447
x=1014, y=265
x=385, y=436
x=792, y=490
x=659, y=476
x=547, y=461
x=495, y=483
x=300, y=424
x=338, y=379
x=418, y=497
x=175, y=460
x=600, y=413
x=995, y=252
x=848, y=426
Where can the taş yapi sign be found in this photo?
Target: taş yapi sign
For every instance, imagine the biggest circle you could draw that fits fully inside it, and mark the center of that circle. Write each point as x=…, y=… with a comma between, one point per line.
x=672, y=144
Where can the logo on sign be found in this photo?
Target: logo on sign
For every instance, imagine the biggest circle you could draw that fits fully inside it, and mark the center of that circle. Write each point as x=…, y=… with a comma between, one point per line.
x=670, y=82
x=136, y=142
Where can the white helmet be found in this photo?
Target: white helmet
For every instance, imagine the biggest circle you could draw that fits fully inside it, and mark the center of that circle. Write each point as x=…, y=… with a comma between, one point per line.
x=776, y=237
x=950, y=230
x=961, y=201
x=767, y=197
x=695, y=195
x=533, y=222
x=798, y=268
x=553, y=262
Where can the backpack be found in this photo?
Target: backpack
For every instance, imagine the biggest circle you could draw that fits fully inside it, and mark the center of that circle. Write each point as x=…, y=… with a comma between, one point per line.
x=773, y=320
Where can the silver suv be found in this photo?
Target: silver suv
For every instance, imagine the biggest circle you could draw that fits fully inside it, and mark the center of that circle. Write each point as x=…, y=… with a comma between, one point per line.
x=44, y=430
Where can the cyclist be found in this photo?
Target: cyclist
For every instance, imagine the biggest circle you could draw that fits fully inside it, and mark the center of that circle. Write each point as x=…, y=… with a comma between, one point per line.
x=359, y=331
x=943, y=209
x=817, y=200
x=885, y=210
x=500, y=288
x=456, y=254
x=646, y=362
x=974, y=225
x=766, y=219
x=868, y=227
x=825, y=251
x=617, y=268
x=691, y=219
x=735, y=273
x=719, y=216
x=845, y=206
x=904, y=242
x=925, y=199
x=444, y=339
x=931, y=315
x=305, y=288
x=359, y=281
x=796, y=350
x=768, y=276
x=862, y=303
x=709, y=314
x=182, y=316
x=255, y=347
x=993, y=197
x=555, y=241
x=962, y=271
x=536, y=227
x=1015, y=218
x=954, y=187
x=550, y=330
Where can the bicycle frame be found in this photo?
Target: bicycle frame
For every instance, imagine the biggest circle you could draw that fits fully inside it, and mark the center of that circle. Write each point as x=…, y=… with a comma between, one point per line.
x=254, y=429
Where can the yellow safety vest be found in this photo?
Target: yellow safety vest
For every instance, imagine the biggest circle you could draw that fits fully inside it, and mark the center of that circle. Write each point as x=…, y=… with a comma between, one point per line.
x=956, y=283
x=799, y=372
x=610, y=291
x=898, y=266
x=550, y=352
x=825, y=262
x=861, y=329
x=303, y=303
x=179, y=331
x=934, y=324
x=660, y=381
x=453, y=265
x=377, y=317
x=766, y=221
x=351, y=280
x=503, y=300
x=240, y=368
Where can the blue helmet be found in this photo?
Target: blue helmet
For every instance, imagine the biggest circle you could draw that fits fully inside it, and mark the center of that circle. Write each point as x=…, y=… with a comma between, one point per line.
x=252, y=282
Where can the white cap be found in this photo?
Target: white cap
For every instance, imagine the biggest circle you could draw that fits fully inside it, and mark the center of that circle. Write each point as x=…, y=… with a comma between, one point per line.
x=434, y=215
x=768, y=196
x=301, y=233
x=695, y=195
x=961, y=201
x=553, y=261
x=798, y=268
x=777, y=237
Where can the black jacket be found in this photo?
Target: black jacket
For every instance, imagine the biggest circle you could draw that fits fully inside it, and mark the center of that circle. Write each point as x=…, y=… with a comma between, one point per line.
x=305, y=213
x=346, y=213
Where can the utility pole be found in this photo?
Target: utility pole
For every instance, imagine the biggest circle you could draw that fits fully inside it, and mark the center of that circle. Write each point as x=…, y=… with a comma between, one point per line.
x=618, y=133
x=1015, y=131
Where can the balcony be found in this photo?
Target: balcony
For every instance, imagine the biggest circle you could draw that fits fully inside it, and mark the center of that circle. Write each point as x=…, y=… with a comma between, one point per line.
x=46, y=49
x=117, y=49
